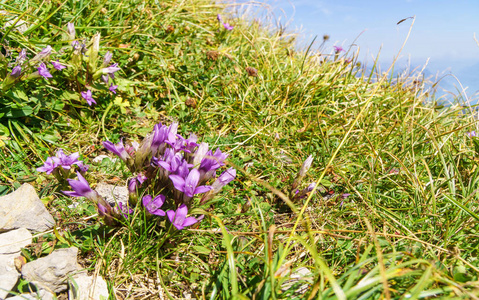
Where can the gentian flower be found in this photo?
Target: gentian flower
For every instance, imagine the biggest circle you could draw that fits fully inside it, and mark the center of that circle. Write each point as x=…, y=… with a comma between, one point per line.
x=141, y=178
x=107, y=58
x=179, y=219
x=338, y=49
x=44, y=53
x=124, y=210
x=22, y=56
x=71, y=33
x=306, y=165
x=211, y=163
x=225, y=178
x=200, y=154
x=81, y=188
x=153, y=206
x=117, y=149
x=16, y=72
x=88, y=97
x=66, y=161
x=189, y=184
x=58, y=65
x=113, y=88
x=160, y=134
x=82, y=167
x=43, y=71
x=219, y=18
x=50, y=164
x=228, y=26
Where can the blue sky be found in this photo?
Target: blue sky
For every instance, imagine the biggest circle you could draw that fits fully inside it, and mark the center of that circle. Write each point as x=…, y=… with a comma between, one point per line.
x=443, y=30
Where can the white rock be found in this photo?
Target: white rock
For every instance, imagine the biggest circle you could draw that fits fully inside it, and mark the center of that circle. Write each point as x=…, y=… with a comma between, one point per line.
x=84, y=287
x=100, y=158
x=113, y=193
x=40, y=294
x=23, y=209
x=8, y=274
x=52, y=272
x=11, y=242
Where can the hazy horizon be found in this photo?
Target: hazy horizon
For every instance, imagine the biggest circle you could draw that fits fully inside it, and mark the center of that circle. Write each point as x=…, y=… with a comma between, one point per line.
x=442, y=34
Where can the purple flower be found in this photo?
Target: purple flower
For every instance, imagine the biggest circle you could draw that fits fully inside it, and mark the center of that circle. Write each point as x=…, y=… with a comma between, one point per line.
x=219, y=183
x=66, y=161
x=219, y=18
x=338, y=49
x=160, y=134
x=179, y=219
x=153, y=206
x=117, y=149
x=81, y=188
x=44, y=53
x=210, y=163
x=88, y=97
x=16, y=72
x=228, y=26
x=71, y=31
x=189, y=184
x=225, y=178
x=141, y=178
x=469, y=134
x=113, y=88
x=50, y=164
x=22, y=56
x=107, y=58
x=58, y=65
x=124, y=210
x=82, y=167
x=190, y=143
x=43, y=71
x=111, y=70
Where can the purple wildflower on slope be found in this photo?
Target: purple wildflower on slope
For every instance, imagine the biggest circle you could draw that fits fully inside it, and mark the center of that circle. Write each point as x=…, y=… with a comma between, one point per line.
x=50, y=164
x=58, y=65
x=81, y=188
x=66, y=161
x=189, y=184
x=179, y=219
x=153, y=205
x=113, y=88
x=88, y=97
x=118, y=149
x=228, y=26
x=43, y=71
x=338, y=49
x=16, y=72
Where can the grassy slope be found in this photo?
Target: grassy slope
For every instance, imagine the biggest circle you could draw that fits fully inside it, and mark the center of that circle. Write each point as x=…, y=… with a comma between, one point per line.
x=409, y=166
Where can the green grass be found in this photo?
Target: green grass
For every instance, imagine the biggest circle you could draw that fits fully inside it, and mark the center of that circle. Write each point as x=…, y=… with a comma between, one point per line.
x=408, y=230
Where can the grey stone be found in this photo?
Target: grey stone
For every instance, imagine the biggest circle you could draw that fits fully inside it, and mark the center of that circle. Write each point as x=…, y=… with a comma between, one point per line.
x=84, y=287
x=40, y=294
x=20, y=25
x=13, y=241
x=113, y=193
x=300, y=274
x=23, y=209
x=52, y=272
x=8, y=274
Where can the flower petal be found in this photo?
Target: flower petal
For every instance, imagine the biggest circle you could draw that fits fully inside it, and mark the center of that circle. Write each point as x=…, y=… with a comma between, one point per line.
x=190, y=221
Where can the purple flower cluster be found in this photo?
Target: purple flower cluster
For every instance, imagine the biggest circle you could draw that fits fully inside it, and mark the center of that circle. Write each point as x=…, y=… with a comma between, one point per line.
x=166, y=165
x=45, y=65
